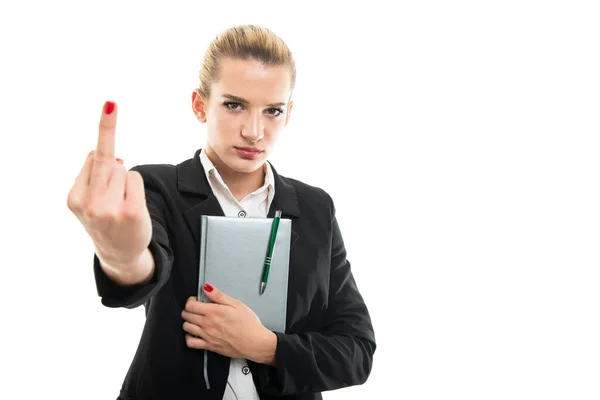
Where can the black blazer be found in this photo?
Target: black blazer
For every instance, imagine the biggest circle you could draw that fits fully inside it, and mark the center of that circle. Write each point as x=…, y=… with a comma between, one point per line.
x=329, y=341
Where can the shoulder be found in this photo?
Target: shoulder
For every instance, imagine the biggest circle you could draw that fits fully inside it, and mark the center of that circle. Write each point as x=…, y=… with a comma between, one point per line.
x=309, y=192
x=161, y=177
x=311, y=197
x=156, y=171
x=159, y=174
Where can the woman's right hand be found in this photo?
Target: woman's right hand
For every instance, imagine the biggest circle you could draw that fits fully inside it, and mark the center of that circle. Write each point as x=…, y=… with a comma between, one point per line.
x=110, y=202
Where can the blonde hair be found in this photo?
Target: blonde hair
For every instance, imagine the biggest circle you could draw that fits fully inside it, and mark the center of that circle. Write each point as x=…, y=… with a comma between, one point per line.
x=244, y=42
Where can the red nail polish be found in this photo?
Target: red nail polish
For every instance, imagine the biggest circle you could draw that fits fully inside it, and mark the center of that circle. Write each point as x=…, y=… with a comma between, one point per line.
x=208, y=287
x=109, y=107
x=120, y=161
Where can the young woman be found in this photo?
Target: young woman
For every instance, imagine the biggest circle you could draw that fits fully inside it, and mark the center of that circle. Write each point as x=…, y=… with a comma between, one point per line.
x=145, y=224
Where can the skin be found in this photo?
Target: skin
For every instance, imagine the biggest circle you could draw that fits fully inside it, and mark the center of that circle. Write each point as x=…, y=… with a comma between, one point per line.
x=256, y=123
x=227, y=327
x=254, y=117
x=110, y=203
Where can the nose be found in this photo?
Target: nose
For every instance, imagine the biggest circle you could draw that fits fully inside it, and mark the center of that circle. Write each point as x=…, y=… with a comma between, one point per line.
x=254, y=129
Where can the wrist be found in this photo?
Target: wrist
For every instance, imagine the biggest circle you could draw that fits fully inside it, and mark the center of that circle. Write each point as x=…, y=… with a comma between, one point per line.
x=265, y=350
x=116, y=260
x=137, y=270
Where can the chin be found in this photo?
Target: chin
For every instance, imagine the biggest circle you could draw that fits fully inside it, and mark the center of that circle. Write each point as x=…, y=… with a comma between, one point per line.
x=239, y=164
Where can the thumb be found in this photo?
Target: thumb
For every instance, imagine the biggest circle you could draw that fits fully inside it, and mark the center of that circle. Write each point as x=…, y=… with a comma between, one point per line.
x=217, y=296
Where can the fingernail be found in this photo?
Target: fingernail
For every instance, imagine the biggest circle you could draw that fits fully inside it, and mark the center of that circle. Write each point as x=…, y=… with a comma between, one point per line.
x=208, y=287
x=109, y=107
x=119, y=160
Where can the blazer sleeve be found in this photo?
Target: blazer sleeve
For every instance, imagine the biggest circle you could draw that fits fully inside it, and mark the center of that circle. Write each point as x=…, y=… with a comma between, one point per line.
x=341, y=354
x=114, y=295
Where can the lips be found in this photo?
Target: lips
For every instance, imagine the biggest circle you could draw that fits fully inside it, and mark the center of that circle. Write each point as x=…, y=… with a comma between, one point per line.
x=248, y=152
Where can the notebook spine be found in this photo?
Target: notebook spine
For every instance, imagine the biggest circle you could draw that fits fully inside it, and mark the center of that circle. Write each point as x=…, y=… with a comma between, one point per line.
x=202, y=261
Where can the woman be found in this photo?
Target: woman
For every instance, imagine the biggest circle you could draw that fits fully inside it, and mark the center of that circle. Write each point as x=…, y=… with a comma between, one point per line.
x=145, y=227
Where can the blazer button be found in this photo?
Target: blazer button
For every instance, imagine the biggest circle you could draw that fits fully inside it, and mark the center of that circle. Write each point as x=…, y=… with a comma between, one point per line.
x=242, y=214
x=245, y=370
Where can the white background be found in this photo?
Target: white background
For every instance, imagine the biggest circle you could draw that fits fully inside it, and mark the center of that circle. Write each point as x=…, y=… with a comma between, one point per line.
x=460, y=141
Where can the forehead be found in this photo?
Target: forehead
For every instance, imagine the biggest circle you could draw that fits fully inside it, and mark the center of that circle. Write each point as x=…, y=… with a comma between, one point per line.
x=253, y=81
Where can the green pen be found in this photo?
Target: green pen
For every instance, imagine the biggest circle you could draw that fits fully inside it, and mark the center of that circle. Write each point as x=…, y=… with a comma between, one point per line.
x=269, y=257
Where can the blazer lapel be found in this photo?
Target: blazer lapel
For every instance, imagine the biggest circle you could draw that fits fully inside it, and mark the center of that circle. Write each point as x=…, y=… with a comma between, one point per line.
x=195, y=189
x=286, y=200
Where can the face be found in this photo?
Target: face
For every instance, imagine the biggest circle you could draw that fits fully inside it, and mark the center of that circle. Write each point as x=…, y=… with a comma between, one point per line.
x=247, y=110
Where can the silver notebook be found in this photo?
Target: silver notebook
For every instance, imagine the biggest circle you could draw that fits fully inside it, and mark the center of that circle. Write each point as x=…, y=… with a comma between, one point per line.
x=232, y=257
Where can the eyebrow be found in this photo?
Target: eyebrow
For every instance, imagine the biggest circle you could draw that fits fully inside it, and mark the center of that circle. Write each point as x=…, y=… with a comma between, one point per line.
x=244, y=101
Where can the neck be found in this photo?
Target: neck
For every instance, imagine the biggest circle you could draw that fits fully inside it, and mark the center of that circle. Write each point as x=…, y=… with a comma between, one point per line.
x=240, y=184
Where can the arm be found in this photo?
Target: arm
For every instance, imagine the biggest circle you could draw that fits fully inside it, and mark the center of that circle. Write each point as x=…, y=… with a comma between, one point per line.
x=134, y=273
x=154, y=266
x=340, y=355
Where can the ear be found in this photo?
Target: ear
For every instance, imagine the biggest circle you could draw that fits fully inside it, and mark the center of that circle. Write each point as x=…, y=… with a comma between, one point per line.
x=198, y=106
x=289, y=111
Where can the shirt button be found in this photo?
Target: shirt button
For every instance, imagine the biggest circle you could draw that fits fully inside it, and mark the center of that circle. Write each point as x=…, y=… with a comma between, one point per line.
x=245, y=370
x=242, y=214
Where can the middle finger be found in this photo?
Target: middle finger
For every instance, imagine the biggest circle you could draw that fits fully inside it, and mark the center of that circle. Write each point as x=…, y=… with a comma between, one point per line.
x=104, y=158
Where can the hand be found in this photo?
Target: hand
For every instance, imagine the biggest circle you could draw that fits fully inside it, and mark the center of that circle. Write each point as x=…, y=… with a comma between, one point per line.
x=109, y=201
x=227, y=327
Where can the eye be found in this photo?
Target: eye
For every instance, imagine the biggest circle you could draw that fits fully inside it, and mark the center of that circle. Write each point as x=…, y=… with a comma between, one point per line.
x=275, y=112
x=230, y=105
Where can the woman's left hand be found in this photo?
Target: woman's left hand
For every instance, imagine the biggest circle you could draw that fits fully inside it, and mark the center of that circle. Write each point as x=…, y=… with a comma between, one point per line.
x=227, y=327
